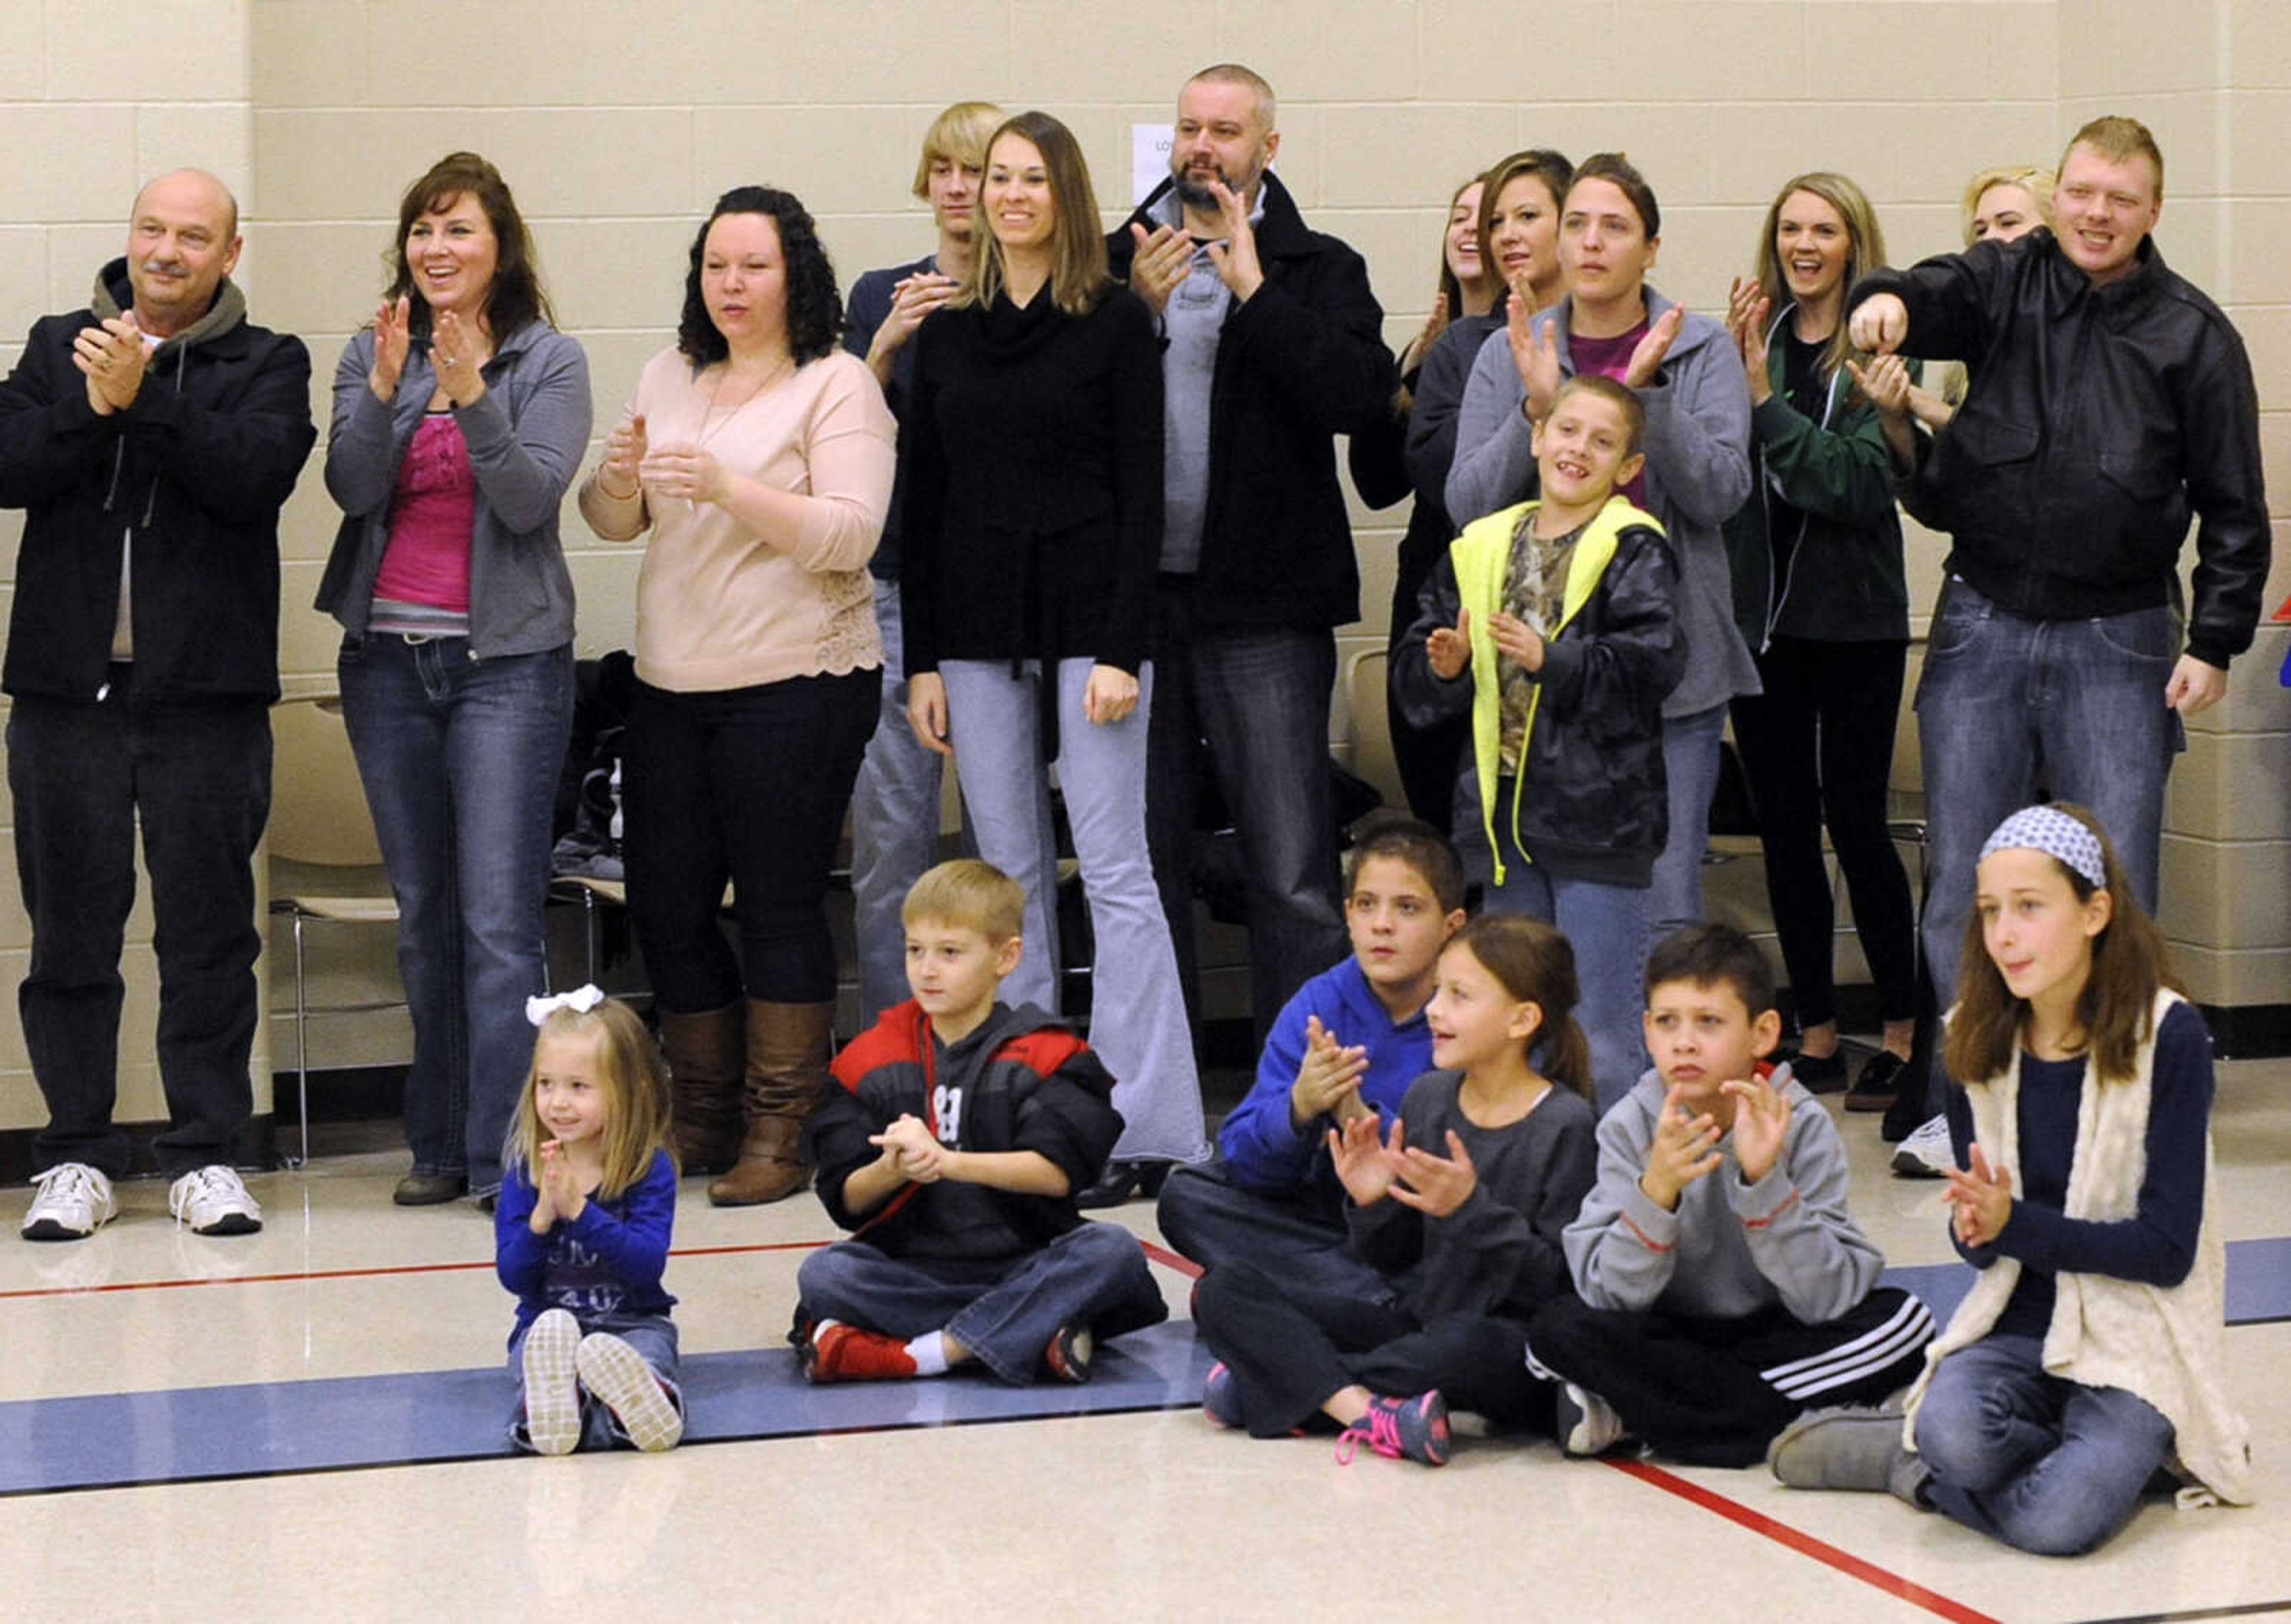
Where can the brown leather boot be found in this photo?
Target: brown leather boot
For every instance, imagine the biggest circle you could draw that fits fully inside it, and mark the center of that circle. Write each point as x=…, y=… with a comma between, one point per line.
x=705, y=1053
x=787, y=1067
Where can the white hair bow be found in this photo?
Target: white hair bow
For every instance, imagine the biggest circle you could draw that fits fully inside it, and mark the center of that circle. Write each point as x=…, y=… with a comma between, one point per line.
x=579, y=1000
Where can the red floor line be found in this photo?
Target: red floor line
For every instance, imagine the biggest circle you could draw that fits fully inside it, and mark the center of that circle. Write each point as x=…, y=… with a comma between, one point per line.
x=1805, y=1544
x=391, y=1268
x=1167, y=1258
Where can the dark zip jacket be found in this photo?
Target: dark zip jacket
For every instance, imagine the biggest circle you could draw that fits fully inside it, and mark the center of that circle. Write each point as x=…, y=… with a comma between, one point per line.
x=199, y=467
x=2098, y=419
x=1301, y=361
x=1816, y=552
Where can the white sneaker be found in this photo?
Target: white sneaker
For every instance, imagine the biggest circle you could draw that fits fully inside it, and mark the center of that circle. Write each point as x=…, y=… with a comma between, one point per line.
x=617, y=1374
x=71, y=1199
x=1585, y=1423
x=1926, y=1153
x=212, y=1202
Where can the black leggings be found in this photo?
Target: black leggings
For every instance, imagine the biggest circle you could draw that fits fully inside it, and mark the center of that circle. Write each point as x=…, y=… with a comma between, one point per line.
x=750, y=786
x=1818, y=746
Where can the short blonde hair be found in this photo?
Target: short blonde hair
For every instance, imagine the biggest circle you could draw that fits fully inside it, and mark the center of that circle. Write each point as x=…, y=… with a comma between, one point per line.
x=634, y=1079
x=969, y=894
x=958, y=135
x=2117, y=138
x=2037, y=182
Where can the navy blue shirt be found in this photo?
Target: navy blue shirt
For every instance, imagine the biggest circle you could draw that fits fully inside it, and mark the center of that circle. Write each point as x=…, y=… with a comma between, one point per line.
x=2157, y=1245
x=864, y=314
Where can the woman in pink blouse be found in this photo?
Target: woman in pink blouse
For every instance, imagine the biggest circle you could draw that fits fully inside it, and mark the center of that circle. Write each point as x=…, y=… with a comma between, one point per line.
x=758, y=455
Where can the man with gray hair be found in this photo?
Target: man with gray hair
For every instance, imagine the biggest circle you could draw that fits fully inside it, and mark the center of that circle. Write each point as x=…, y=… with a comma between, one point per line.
x=151, y=441
x=1274, y=346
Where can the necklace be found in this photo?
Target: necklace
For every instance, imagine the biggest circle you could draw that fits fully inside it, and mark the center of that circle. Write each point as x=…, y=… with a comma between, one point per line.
x=710, y=429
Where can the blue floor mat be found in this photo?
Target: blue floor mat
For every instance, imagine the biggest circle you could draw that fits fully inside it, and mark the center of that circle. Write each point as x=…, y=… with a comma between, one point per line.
x=259, y=1428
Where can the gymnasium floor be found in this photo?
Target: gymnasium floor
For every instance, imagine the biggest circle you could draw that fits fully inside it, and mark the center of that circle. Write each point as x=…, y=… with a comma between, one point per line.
x=307, y=1424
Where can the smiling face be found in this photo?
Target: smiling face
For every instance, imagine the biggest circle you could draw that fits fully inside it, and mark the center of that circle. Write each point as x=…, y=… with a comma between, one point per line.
x=2006, y=212
x=1462, y=246
x=1813, y=246
x=1603, y=244
x=1019, y=209
x=1397, y=924
x=2038, y=933
x=1582, y=451
x=1523, y=235
x=452, y=252
x=1219, y=136
x=743, y=279
x=570, y=1089
x=181, y=245
x=1475, y=1019
x=1700, y=1036
x=2102, y=210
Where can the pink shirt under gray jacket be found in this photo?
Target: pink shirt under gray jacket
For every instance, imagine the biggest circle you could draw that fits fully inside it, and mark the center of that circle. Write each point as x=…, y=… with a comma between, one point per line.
x=717, y=608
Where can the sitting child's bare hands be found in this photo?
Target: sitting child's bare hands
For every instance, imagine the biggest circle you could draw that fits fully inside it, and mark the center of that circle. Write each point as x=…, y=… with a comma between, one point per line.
x=1435, y=1186
x=911, y=1149
x=1762, y=1119
x=1685, y=1148
x=1982, y=1200
x=1364, y=1166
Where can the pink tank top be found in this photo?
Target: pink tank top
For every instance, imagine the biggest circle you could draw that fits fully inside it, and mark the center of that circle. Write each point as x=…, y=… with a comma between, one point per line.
x=428, y=558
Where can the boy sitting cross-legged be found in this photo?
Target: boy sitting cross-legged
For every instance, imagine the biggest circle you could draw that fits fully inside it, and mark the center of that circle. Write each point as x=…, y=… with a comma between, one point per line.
x=952, y=1150
x=1724, y=1287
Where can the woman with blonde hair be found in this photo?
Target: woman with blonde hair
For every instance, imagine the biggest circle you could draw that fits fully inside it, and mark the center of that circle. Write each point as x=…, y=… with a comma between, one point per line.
x=1034, y=505
x=1822, y=598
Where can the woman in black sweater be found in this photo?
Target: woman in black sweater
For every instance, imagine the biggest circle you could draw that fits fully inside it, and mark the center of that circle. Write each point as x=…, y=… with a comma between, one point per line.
x=1033, y=532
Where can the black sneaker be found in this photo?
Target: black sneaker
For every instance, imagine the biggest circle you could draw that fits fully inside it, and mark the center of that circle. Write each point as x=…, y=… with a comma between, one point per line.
x=1822, y=1074
x=1879, y=1082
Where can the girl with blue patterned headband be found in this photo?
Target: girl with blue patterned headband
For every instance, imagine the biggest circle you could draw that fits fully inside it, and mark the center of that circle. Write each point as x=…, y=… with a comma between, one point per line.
x=2088, y=1353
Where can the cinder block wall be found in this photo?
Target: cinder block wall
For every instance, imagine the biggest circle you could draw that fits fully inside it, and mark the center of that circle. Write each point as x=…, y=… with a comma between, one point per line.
x=618, y=134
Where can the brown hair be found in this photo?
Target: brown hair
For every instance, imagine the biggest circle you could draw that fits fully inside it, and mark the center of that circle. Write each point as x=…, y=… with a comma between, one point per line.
x=1865, y=250
x=1624, y=398
x=1551, y=168
x=1617, y=171
x=1714, y=955
x=2114, y=1012
x=515, y=297
x=959, y=135
x=1078, y=264
x=970, y=895
x=634, y=1079
x=1536, y=964
x=2118, y=139
x=1418, y=844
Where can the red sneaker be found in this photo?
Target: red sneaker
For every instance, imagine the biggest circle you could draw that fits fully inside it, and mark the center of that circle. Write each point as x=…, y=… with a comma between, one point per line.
x=845, y=1352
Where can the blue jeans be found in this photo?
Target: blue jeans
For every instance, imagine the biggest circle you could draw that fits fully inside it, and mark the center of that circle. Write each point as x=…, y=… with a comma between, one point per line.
x=652, y=1335
x=2034, y=1459
x=1208, y=1218
x=459, y=758
x=200, y=776
x=1690, y=771
x=2003, y=700
x=1607, y=926
x=1137, y=1014
x=1005, y=1310
x=895, y=829
x=1260, y=697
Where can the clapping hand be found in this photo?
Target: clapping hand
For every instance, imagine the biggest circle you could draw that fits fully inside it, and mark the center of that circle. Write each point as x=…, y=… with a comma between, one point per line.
x=625, y=454
x=683, y=469
x=1448, y=649
x=1885, y=381
x=1535, y=352
x=1983, y=1199
x=1434, y=1186
x=559, y=1195
x=111, y=356
x=393, y=341
x=907, y=1144
x=1762, y=1119
x=1684, y=1149
x=1748, y=309
x=1516, y=639
x=1236, y=258
x=1162, y=259
x=1646, y=360
x=457, y=350
x=1364, y=1166
x=1329, y=1075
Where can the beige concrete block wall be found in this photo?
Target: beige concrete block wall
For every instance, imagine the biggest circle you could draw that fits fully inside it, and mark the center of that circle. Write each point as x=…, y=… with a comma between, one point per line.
x=618, y=133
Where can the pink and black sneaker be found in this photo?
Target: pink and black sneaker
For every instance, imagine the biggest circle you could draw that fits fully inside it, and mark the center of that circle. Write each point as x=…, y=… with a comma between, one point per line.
x=1397, y=1428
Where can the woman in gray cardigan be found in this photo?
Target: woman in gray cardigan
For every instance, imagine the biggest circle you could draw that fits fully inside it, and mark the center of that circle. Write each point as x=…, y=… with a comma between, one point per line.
x=460, y=418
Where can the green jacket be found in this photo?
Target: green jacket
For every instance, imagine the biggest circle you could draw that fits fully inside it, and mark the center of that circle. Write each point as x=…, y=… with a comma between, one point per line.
x=1822, y=492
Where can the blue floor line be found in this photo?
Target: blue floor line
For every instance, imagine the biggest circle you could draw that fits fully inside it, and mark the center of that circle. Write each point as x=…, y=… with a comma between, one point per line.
x=260, y=1428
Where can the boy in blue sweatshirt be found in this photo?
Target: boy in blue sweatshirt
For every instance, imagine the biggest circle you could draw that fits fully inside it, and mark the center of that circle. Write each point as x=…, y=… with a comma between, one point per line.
x=1349, y=1043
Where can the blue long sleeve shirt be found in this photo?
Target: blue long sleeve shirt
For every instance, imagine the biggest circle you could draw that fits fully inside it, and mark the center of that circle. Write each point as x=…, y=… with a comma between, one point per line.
x=2157, y=1245
x=1266, y=1152
x=609, y=1260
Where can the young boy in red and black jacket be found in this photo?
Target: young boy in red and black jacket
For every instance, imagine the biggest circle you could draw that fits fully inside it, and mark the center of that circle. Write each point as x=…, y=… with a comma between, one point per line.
x=951, y=1151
